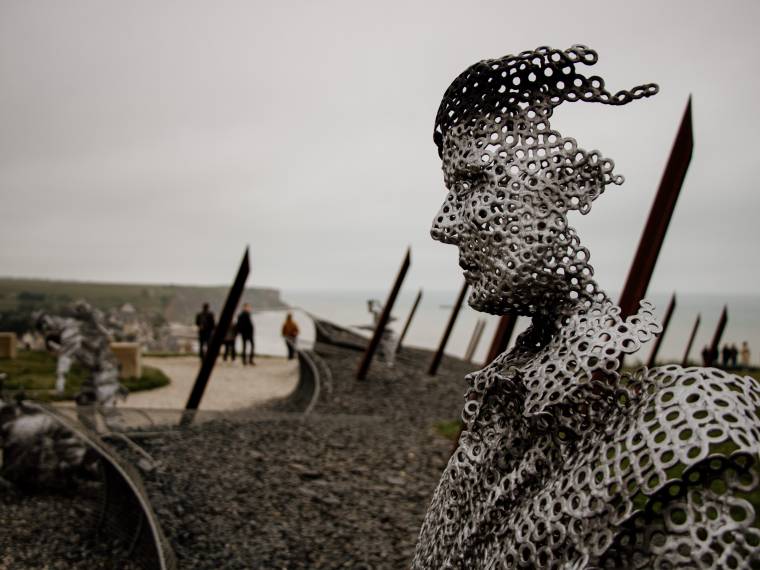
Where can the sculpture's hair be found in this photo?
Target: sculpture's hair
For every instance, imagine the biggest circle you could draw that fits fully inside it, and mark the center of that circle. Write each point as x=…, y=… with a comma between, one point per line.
x=528, y=85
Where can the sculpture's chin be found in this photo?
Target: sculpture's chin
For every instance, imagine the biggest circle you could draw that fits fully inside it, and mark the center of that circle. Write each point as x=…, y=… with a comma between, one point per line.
x=483, y=302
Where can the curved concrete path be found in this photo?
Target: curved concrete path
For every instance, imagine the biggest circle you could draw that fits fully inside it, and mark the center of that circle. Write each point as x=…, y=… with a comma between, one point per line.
x=230, y=387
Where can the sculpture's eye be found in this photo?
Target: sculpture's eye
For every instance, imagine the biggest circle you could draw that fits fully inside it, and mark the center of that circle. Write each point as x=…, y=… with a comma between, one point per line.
x=466, y=181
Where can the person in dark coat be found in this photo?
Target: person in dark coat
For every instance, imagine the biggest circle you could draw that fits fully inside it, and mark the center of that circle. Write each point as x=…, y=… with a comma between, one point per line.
x=706, y=352
x=245, y=330
x=726, y=356
x=229, y=343
x=205, y=323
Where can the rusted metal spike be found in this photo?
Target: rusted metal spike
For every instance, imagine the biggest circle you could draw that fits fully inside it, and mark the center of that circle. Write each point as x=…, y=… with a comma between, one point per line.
x=446, y=333
x=474, y=340
x=225, y=319
x=502, y=336
x=685, y=361
x=361, y=373
x=719, y=331
x=409, y=320
x=653, y=236
x=665, y=323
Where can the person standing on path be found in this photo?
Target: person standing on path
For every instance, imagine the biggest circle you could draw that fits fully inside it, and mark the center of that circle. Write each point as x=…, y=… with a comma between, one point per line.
x=290, y=334
x=726, y=355
x=745, y=354
x=205, y=323
x=245, y=330
x=734, y=356
x=229, y=343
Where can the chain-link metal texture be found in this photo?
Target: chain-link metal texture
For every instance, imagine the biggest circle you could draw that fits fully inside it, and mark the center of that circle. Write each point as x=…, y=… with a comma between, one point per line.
x=564, y=461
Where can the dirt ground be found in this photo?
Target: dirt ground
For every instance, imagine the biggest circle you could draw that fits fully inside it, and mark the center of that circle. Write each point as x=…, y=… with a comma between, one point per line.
x=231, y=386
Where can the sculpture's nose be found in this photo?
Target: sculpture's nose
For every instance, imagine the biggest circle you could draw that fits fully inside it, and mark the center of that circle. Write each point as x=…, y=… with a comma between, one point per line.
x=446, y=222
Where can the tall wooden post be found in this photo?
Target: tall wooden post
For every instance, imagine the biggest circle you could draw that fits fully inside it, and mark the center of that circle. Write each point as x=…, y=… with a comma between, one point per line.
x=225, y=320
x=685, y=361
x=653, y=235
x=665, y=323
x=409, y=319
x=502, y=336
x=361, y=373
x=445, y=338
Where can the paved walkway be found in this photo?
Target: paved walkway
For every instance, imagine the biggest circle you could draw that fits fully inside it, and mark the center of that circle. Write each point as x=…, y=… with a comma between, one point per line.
x=231, y=385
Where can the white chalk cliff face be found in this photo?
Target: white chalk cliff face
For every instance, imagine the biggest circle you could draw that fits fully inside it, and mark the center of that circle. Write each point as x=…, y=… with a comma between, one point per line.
x=564, y=462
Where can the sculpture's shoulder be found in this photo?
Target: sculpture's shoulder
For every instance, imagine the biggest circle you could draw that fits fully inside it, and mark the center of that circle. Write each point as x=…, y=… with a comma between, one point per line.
x=706, y=395
x=686, y=451
x=695, y=411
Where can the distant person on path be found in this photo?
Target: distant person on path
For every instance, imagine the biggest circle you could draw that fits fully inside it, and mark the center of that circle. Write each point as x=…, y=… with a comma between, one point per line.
x=734, y=355
x=726, y=356
x=229, y=343
x=290, y=334
x=706, y=356
x=205, y=323
x=745, y=355
x=714, y=354
x=245, y=330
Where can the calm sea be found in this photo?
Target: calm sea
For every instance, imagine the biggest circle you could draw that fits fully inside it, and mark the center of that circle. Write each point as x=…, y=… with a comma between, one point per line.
x=349, y=308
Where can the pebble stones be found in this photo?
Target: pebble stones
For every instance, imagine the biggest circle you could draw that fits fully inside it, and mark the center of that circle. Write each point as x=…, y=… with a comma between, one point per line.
x=346, y=487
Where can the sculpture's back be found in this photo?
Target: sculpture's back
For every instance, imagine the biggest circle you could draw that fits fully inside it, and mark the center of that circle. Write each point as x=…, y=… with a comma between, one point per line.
x=564, y=462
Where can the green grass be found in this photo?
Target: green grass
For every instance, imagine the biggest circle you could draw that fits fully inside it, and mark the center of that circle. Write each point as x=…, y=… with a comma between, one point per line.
x=449, y=429
x=34, y=372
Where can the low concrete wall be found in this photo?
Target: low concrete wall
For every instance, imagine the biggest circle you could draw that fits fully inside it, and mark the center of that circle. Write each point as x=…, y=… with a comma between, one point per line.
x=129, y=355
x=8, y=345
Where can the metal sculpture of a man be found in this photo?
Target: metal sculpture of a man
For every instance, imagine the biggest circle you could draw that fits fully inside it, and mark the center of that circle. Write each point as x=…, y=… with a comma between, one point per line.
x=36, y=449
x=83, y=337
x=564, y=460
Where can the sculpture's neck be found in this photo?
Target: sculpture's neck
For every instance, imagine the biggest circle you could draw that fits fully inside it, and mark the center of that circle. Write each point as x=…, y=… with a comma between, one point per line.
x=553, y=317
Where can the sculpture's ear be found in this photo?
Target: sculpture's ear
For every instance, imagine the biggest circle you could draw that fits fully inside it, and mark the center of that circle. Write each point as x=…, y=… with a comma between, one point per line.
x=438, y=139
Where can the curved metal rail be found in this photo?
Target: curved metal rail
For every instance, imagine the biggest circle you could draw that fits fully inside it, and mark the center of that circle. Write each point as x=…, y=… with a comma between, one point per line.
x=310, y=383
x=331, y=334
x=126, y=510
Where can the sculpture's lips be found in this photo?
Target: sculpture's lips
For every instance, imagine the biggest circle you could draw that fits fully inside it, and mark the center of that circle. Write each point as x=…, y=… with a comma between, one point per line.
x=471, y=271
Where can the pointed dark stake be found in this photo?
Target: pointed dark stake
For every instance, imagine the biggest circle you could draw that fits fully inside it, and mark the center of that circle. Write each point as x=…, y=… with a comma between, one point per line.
x=691, y=341
x=449, y=327
x=361, y=373
x=225, y=320
x=502, y=336
x=409, y=321
x=665, y=323
x=474, y=340
x=719, y=332
x=653, y=236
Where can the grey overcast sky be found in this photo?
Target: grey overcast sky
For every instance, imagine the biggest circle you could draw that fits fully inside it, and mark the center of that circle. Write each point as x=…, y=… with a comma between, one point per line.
x=149, y=140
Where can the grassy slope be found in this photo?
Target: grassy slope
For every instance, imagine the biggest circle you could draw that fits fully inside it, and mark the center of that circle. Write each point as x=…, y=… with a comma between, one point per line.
x=35, y=373
x=173, y=302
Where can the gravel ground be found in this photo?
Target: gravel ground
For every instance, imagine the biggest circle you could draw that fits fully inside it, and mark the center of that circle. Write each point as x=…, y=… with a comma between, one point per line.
x=54, y=531
x=346, y=487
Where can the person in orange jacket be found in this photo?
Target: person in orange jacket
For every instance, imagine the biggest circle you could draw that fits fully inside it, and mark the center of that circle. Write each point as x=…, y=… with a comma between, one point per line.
x=290, y=334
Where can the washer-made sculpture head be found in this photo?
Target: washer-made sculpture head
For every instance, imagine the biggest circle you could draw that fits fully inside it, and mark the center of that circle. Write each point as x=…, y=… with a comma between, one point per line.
x=511, y=180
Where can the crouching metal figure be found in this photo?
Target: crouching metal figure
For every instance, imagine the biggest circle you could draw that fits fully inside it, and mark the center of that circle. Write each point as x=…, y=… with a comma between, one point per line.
x=565, y=461
x=84, y=338
x=389, y=339
x=38, y=451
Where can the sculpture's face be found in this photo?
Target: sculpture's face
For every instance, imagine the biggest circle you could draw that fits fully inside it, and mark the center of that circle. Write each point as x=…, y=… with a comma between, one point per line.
x=503, y=213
